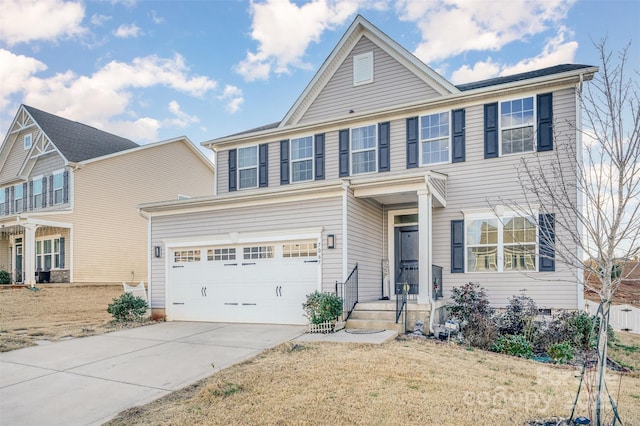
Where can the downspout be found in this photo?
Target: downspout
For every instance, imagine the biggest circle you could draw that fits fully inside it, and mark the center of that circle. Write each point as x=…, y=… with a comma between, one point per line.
x=345, y=257
x=147, y=217
x=580, y=199
x=432, y=302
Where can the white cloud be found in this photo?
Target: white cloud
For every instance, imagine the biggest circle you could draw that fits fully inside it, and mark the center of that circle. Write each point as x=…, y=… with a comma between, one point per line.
x=284, y=30
x=28, y=20
x=99, y=20
x=156, y=18
x=100, y=99
x=126, y=31
x=233, y=96
x=556, y=51
x=181, y=119
x=452, y=27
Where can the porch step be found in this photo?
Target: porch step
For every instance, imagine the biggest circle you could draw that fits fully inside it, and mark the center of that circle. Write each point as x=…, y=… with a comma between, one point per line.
x=371, y=324
x=382, y=315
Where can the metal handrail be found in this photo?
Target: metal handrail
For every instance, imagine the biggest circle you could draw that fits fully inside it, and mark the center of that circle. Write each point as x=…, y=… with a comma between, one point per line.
x=348, y=291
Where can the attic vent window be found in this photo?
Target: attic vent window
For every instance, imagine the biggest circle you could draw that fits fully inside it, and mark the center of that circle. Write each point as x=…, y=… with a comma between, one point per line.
x=27, y=141
x=363, y=69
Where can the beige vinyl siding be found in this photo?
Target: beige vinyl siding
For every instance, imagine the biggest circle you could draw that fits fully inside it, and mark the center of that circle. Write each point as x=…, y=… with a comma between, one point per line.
x=109, y=237
x=393, y=85
x=364, y=224
x=478, y=184
x=325, y=213
x=17, y=154
x=4, y=255
x=222, y=172
x=47, y=163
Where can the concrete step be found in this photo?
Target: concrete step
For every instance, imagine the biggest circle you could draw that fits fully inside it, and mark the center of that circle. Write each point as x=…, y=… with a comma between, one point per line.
x=374, y=325
x=383, y=305
x=373, y=315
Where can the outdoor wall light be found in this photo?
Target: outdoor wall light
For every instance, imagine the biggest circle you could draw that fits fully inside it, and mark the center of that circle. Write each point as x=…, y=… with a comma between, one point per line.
x=156, y=251
x=331, y=241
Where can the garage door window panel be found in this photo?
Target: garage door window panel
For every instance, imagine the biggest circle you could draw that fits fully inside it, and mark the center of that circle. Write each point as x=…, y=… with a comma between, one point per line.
x=220, y=254
x=291, y=250
x=182, y=256
x=258, y=252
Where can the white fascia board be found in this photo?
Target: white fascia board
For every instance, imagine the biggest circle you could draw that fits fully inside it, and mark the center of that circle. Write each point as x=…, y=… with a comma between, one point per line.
x=234, y=238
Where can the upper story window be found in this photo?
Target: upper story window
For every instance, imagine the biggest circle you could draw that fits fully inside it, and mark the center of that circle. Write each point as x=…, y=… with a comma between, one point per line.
x=302, y=159
x=18, y=198
x=58, y=188
x=501, y=244
x=434, y=138
x=363, y=149
x=3, y=201
x=27, y=141
x=248, y=167
x=516, y=125
x=37, y=192
x=363, y=69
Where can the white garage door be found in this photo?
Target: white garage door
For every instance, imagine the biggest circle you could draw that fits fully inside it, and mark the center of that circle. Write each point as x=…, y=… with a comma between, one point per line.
x=255, y=283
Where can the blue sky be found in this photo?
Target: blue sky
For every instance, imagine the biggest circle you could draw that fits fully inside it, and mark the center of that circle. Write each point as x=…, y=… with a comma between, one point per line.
x=154, y=70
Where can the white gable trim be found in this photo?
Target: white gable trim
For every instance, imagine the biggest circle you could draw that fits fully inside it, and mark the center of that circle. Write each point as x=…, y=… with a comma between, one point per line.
x=358, y=29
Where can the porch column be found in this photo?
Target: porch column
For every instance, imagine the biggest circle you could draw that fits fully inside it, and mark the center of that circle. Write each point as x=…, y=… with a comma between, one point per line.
x=29, y=253
x=425, y=204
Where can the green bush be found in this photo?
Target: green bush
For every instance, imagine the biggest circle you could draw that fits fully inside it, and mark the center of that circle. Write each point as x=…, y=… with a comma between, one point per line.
x=519, y=316
x=561, y=352
x=127, y=308
x=5, y=277
x=322, y=307
x=470, y=307
x=513, y=345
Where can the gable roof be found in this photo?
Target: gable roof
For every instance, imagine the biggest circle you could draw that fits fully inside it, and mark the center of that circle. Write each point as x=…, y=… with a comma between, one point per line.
x=521, y=76
x=76, y=141
x=361, y=27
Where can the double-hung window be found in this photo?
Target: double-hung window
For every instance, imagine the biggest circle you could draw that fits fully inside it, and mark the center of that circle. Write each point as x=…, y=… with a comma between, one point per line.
x=58, y=188
x=507, y=243
x=434, y=138
x=248, y=167
x=302, y=159
x=3, y=201
x=364, y=150
x=18, y=198
x=37, y=193
x=517, y=119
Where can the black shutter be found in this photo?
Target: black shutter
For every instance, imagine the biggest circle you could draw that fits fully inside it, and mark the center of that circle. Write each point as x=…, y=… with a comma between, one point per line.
x=458, y=152
x=457, y=246
x=7, y=200
x=61, y=252
x=44, y=192
x=491, y=130
x=384, y=147
x=30, y=195
x=343, y=142
x=284, y=162
x=545, y=122
x=52, y=201
x=546, y=243
x=319, y=156
x=412, y=142
x=12, y=208
x=65, y=186
x=233, y=170
x=263, y=165
x=25, y=195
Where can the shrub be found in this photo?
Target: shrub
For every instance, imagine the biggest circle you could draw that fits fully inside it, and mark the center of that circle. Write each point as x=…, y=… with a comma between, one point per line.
x=322, y=307
x=5, y=277
x=561, y=352
x=470, y=307
x=519, y=317
x=127, y=308
x=513, y=345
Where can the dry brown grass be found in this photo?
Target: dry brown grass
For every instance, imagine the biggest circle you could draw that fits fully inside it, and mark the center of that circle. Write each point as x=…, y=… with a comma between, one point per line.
x=402, y=382
x=53, y=313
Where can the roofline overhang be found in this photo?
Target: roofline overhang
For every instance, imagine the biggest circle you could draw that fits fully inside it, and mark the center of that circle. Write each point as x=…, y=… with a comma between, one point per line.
x=244, y=198
x=470, y=96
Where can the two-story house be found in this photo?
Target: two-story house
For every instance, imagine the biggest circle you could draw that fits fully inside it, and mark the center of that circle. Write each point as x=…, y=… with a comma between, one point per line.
x=69, y=194
x=380, y=163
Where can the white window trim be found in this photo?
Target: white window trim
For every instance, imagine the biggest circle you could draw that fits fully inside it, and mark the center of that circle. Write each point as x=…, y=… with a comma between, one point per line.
x=352, y=151
x=248, y=168
x=312, y=158
x=356, y=58
x=26, y=137
x=52, y=202
x=53, y=253
x=535, y=124
x=501, y=219
x=4, y=203
x=35, y=179
x=434, y=139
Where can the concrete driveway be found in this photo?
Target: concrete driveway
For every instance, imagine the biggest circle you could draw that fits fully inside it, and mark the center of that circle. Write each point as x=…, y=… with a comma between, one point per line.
x=88, y=381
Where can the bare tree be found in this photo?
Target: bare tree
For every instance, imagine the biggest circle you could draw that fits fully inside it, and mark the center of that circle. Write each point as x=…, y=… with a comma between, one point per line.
x=595, y=206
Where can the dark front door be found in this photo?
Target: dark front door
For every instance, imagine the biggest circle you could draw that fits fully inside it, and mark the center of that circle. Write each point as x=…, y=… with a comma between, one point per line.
x=19, y=258
x=406, y=258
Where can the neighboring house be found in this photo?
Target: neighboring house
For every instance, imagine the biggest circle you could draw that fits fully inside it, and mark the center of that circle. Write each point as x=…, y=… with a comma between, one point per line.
x=383, y=164
x=69, y=196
